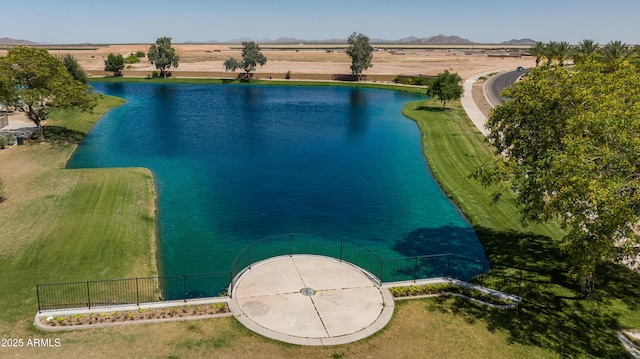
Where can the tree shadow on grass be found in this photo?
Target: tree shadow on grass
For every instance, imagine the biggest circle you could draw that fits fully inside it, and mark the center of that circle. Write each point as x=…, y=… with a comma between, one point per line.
x=554, y=314
x=433, y=108
x=62, y=136
x=531, y=252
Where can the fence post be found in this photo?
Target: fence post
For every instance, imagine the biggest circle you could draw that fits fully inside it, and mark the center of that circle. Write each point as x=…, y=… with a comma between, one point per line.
x=290, y=245
x=137, y=293
x=88, y=296
x=415, y=270
x=184, y=283
x=380, y=277
x=38, y=295
x=250, y=256
x=341, y=250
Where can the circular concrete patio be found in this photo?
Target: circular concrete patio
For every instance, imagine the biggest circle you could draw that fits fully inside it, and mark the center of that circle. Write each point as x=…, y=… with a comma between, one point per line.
x=310, y=300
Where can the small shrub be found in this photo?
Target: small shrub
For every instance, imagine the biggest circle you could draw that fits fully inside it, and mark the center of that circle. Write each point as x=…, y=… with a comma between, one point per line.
x=6, y=140
x=155, y=74
x=131, y=59
x=140, y=54
x=419, y=81
x=396, y=79
x=287, y=75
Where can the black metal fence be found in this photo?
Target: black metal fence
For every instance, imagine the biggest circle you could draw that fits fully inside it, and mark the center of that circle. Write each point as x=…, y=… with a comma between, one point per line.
x=123, y=292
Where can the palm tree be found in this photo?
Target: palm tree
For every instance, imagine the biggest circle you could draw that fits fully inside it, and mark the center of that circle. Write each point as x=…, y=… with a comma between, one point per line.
x=538, y=50
x=615, y=52
x=635, y=59
x=550, y=51
x=586, y=48
x=562, y=52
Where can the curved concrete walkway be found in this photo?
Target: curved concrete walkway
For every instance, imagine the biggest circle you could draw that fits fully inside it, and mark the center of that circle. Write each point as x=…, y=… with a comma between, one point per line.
x=310, y=300
x=469, y=105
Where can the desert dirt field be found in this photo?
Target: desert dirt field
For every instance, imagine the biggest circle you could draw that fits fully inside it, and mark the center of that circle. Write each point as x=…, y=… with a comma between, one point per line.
x=315, y=62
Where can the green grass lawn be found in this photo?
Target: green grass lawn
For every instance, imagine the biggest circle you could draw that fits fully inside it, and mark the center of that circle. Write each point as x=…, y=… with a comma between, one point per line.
x=69, y=225
x=66, y=225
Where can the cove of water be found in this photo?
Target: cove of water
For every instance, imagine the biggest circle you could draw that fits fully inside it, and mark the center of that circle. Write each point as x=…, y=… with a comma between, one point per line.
x=237, y=163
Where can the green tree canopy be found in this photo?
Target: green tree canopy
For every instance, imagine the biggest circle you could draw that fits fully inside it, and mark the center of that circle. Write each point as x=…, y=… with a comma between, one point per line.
x=163, y=55
x=360, y=52
x=114, y=63
x=568, y=145
x=446, y=86
x=251, y=58
x=73, y=67
x=36, y=83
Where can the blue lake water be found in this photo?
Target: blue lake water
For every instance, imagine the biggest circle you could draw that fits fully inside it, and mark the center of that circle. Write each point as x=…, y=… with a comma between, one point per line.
x=237, y=163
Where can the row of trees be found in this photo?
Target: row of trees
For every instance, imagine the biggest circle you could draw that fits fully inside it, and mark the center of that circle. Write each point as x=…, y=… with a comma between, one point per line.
x=161, y=54
x=164, y=56
x=610, y=54
x=359, y=50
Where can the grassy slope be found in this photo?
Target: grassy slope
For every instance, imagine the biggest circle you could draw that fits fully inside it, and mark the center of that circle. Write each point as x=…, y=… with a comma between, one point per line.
x=454, y=147
x=554, y=315
x=69, y=225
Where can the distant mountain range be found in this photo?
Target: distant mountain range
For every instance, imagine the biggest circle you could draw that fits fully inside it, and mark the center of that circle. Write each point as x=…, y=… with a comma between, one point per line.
x=433, y=40
x=10, y=41
x=519, y=42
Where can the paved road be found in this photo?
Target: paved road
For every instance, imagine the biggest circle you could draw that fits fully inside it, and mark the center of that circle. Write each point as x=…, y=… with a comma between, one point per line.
x=499, y=82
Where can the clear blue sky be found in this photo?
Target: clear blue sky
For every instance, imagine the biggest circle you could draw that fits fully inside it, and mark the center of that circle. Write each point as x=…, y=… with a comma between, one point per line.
x=142, y=21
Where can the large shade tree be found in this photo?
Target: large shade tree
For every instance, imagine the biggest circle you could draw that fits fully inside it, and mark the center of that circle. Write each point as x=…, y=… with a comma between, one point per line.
x=251, y=58
x=568, y=145
x=446, y=87
x=360, y=52
x=36, y=83
x=163, y=55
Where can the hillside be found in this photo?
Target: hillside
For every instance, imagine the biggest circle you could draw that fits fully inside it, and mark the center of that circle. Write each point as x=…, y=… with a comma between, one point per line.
x=9, y=41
